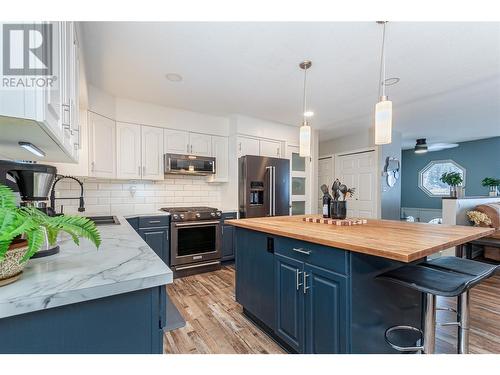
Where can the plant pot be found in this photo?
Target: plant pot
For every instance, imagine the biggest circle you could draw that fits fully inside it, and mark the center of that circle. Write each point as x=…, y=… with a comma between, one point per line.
x=11, y=266
x=493, y=191
x=338, y=210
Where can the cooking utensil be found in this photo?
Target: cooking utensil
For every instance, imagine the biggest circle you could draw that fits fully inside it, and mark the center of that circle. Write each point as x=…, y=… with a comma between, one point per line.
x=335, y=189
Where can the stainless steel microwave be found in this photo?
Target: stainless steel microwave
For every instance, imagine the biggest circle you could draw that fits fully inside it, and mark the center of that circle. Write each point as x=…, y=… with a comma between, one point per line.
x=189, y=164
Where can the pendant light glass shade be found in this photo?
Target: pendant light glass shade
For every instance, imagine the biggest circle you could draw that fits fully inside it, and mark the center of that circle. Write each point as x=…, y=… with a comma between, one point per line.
x=305, y=129
x=383, y=109
x=305, y=140
x=383, y=122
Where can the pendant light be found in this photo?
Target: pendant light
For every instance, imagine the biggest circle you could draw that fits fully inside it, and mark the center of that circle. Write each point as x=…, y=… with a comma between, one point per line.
x=383, y=109
x=305, y=129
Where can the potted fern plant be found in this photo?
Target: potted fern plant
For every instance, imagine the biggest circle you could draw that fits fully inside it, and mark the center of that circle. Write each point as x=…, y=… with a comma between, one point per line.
x=492, y=184
x=24, y=230
x=454, y=181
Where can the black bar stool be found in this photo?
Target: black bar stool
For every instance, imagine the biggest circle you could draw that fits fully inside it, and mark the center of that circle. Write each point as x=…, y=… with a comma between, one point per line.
x=446, y=277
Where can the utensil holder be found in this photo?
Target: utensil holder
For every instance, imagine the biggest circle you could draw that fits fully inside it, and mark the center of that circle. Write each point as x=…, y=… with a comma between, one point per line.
x=338, y=210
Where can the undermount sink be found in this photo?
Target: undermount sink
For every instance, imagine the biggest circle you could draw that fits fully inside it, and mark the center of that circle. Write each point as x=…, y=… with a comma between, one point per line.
x=104, y=220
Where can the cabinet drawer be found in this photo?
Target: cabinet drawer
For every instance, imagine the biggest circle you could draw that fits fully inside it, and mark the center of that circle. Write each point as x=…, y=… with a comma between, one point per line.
x=229, y=215
x=322, y=256
x=153, y=221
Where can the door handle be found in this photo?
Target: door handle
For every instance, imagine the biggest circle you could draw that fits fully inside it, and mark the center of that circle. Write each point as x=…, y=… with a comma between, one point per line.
x=305, y=282
x=301, y=250
x=274, y=191
x=297, y=275
x=143, y=170
x=187, y=148
x=270, y=169
x=139, y=170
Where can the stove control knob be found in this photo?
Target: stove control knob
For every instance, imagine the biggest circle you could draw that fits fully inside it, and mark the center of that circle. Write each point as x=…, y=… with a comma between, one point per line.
x=197, y=215
x=218, y=214
x=175, y=216
x=182, y=216
x=212, y=214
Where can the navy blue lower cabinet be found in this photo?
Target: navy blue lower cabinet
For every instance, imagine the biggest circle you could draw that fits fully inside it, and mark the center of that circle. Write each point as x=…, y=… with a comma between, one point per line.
x=121, y=324
x=227, y=243
x=157, y=239
x=255, y=275
x=326, y=309
x=290, y=301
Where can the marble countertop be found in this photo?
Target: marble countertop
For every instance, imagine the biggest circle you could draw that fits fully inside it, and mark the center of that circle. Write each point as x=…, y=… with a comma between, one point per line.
x=123, y=263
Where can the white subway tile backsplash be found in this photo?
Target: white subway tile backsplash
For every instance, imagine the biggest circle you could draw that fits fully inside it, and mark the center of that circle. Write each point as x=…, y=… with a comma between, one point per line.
x=105, y=197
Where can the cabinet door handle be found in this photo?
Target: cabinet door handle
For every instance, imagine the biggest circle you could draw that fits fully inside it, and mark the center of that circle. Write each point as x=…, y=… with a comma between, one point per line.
x=154, y=221
x=143, y=171
x=92, y=166
x=297, y=276
x=240, y=146
x=187, y=148
x=191, y=148
x=302, y=251
x=305, y=282
x=277, y=151
x=139, y=170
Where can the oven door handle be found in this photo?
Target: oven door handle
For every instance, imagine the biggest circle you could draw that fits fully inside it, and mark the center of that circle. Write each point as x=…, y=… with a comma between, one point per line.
x=197, y=223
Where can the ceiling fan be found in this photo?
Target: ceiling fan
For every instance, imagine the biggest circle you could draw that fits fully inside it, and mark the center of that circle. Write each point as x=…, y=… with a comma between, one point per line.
x=421, y=146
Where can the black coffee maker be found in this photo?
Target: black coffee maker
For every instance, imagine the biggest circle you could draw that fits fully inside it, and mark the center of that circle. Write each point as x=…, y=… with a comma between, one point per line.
x=33, y=182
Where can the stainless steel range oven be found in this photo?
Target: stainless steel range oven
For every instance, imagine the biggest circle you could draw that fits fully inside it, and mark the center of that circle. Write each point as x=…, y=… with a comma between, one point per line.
x=195, y=239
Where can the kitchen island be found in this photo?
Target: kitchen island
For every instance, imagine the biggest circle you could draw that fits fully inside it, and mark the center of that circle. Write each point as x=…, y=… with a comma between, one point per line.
x=83, y=300
x=313, y=286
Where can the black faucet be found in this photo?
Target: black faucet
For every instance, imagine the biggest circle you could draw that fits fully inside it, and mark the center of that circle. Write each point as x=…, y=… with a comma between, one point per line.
x=53, y=198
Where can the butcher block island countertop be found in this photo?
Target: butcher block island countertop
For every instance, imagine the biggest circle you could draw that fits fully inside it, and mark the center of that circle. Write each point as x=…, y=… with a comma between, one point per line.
x=397, y=240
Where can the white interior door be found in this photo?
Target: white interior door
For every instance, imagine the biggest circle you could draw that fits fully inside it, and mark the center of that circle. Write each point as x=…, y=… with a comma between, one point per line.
x=128, y=151
x=358, y=170
x=152, y=153
x=300, y=191
x=325, y=176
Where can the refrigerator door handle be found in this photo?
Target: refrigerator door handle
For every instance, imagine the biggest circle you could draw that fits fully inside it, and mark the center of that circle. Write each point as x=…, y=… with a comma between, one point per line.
x=270, y=169
x=274, y=191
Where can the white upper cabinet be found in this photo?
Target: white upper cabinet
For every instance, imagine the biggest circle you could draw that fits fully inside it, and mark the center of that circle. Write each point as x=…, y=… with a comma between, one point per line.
x=247, y=146
x=50, y=106
x=220, y=151
x=200, y=144
x=102, y=146
x=270, y=148
x=176, y=141
x=152, y=153
x=128, y=151
x=181, y=142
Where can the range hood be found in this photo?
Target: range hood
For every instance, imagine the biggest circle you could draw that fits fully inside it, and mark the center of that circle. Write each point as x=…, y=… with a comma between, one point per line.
x=189, y=165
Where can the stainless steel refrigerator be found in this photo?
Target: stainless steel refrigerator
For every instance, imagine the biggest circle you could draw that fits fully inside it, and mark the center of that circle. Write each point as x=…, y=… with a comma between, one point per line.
x=264, y=186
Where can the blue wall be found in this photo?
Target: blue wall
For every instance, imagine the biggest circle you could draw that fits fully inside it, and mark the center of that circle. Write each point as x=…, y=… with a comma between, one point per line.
x=480, y=159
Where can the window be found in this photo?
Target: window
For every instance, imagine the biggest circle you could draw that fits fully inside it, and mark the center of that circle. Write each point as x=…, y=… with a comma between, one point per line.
x=429, y=177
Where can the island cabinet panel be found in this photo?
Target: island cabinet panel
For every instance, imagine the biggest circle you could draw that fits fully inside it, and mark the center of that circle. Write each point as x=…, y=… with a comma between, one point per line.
x=290, y=302
x=326, y=311
x=255, y=275
x=121, y=324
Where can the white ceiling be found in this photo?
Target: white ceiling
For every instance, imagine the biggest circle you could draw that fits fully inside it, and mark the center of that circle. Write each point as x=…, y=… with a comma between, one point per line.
x=450, y=72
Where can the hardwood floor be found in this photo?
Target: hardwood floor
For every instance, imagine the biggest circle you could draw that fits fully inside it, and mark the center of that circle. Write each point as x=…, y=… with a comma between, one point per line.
x=215, y=323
